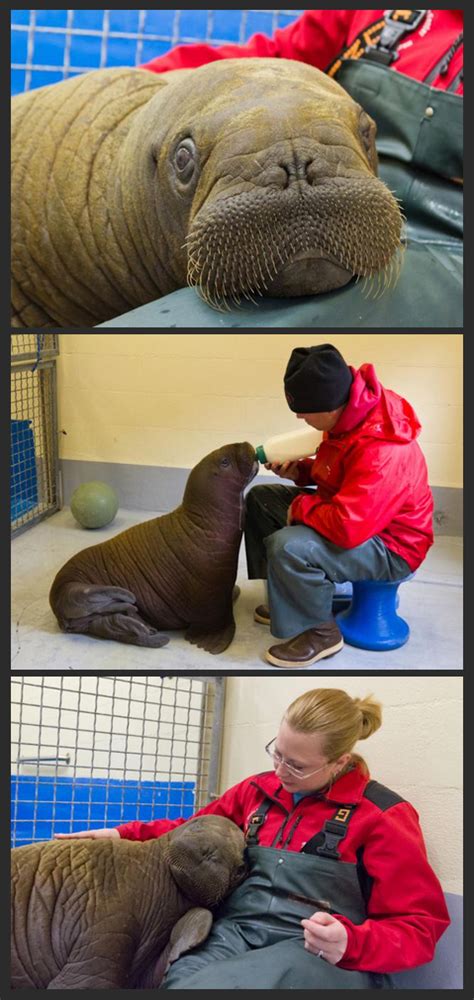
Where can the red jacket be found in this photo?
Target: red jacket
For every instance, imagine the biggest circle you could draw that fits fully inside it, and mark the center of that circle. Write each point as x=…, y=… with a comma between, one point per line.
x=406, y=909
x=371, y=475
x=318, y=37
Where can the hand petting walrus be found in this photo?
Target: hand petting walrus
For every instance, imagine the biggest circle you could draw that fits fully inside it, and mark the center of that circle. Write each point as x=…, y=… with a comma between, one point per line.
x=174, y=572
x=105, y=914
x=245, y=177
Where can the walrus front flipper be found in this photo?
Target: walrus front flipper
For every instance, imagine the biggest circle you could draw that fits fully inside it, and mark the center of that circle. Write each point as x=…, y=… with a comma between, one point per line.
x=188, y=932
x=212, y=640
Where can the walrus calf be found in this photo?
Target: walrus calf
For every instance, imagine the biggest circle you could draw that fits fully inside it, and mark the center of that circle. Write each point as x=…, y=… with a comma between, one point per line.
x=104, y=914
x=245, y=177
x=175, y=571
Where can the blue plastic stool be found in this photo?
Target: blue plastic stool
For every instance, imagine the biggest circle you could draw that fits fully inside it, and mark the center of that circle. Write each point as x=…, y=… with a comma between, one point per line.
x=371, y=621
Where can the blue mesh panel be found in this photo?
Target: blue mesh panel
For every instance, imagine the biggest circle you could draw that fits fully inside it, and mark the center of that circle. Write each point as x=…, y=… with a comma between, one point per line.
x=51, y=45
x=42, y=807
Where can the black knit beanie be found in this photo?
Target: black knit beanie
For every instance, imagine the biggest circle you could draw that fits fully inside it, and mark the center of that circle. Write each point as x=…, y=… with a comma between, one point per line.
x=317, y=379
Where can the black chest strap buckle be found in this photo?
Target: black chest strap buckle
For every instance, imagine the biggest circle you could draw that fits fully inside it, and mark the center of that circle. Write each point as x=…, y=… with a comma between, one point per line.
x=255, y=822
x=326, y=842
x=397, y=24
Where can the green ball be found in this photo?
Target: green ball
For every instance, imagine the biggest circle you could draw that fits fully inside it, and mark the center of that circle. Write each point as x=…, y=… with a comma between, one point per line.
x=94, y=504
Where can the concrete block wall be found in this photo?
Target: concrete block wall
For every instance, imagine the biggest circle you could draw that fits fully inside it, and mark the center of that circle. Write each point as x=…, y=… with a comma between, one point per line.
x=417, y=751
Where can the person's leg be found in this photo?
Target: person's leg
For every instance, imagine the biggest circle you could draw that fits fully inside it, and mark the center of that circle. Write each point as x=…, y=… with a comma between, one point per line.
x=302, y=567
x=284, y=965
x=266, y=509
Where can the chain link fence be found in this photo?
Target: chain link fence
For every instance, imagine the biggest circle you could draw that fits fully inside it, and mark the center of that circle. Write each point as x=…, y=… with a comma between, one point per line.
x=34, y=458
x=95, y=751
x=52, y=45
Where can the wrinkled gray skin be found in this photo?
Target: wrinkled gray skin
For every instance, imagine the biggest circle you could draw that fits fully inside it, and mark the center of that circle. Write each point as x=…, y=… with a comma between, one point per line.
x=98, y=914
x=245, y=177
x=176, y=571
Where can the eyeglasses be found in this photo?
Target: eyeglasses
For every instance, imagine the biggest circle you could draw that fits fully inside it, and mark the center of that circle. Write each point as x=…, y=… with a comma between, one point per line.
x=277, y=758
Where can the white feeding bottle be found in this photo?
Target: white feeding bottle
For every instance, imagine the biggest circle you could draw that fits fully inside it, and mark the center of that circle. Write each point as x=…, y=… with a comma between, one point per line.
x=289, y=447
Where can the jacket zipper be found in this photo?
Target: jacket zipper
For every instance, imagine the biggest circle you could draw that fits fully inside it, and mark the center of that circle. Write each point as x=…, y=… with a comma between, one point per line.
x=292, y=831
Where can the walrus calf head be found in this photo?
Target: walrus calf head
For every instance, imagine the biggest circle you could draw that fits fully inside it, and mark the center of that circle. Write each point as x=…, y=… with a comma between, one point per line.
x=206, y=858
x=243, y=178
x=216, y=484
x=271, y=171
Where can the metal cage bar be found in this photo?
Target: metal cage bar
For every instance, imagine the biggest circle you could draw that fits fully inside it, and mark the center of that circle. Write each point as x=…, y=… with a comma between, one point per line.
x=33, y=346
x=93, y=751
x=34, y=458
x=48, y=46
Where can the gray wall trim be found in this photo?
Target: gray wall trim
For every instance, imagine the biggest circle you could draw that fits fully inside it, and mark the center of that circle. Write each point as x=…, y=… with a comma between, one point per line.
x=448, y=514
x=155, y=488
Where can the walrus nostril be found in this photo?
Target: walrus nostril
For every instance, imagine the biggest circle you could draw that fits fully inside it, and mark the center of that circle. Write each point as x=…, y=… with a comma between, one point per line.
x=286, y=175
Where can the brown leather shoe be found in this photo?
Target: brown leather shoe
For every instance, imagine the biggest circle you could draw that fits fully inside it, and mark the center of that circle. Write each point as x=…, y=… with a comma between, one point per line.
x=307, y=647
x=262, y=614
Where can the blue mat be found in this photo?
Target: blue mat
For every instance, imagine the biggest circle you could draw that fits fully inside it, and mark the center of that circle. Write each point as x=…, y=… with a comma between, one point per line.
x=23, y=475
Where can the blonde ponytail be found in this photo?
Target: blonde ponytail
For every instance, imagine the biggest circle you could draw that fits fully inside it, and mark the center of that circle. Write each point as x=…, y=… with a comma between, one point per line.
x=340, y=719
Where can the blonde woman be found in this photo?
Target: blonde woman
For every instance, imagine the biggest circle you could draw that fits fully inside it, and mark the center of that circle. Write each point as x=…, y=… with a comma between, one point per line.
x=340, y=892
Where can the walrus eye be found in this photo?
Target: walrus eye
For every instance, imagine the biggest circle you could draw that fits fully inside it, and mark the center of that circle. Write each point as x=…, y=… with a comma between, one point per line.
x=185, y=160
x=367, y=132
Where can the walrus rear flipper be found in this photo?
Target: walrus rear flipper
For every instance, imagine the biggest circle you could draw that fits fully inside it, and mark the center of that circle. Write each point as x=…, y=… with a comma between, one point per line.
x=77, y=601
x=124, y=628
x=215, y=641
x=103, y=611
x=129, y=628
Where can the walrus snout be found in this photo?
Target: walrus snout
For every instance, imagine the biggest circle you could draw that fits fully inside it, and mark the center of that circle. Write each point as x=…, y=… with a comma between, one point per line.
x=302, y=239
x=207, y=856
x=246, y=461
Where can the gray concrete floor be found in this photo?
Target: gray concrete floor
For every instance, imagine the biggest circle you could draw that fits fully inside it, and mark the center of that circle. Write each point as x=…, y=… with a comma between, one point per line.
x=431, y=603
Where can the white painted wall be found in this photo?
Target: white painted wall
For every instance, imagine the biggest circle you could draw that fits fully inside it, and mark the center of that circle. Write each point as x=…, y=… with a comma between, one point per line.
x=417, y=751
x=163, y=399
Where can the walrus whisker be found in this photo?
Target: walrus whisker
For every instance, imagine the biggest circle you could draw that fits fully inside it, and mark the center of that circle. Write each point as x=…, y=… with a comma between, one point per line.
x=367, y=286
x=393, y=273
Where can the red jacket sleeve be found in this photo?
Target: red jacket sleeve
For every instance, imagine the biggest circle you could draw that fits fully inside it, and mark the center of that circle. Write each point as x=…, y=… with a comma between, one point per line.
x=229, y=805
x=315, y=38
x=406, y=910
x=373, y=491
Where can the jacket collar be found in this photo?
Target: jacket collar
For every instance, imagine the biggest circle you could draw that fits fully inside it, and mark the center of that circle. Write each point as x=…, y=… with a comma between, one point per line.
x=347, y=789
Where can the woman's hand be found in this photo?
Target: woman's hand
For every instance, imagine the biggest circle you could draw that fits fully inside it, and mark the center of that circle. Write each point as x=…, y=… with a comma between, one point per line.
x=325, y=936
x=286, y=470
x=108, y=831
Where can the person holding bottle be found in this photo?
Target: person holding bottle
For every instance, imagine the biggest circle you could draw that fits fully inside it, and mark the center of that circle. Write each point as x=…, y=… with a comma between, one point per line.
x=361, y=509
x=340, y=892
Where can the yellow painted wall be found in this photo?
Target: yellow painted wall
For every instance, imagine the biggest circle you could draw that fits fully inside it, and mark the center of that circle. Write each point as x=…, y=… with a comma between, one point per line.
x=417, y=751
x=168, y=399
